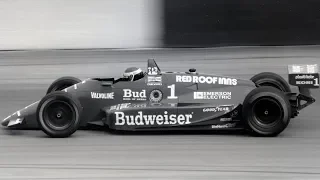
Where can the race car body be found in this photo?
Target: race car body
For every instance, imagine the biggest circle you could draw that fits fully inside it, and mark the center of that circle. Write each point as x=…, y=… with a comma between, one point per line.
x=164, y=101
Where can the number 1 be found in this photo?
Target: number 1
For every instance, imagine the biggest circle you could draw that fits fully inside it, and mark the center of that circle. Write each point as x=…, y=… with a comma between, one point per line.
x=172, y=92
x=316, y=82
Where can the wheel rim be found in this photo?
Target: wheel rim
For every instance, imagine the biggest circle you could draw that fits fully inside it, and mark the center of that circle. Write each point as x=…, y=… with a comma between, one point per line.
x=58, y=115
x=267, y=111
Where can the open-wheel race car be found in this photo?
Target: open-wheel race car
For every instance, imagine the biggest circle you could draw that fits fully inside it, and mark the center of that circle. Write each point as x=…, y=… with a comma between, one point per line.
x=157, y=100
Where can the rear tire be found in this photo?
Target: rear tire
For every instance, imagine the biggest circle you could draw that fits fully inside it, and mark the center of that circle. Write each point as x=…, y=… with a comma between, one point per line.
x=272, y=80
x=62, y=83
x=58, y=114
x=266, y=111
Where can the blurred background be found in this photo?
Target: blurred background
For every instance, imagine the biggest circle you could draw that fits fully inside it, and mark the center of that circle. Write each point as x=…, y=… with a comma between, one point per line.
x=73, y=24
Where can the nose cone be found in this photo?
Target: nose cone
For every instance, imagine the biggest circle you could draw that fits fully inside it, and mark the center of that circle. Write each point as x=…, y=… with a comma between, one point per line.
x=24, y=118
x=13, y=119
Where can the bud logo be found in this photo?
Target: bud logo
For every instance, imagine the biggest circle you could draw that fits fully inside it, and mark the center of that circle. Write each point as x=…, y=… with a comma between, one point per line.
x=161, y=119
x=95, y=95
x=212, y=95
x=207, y=80
x=132, y=95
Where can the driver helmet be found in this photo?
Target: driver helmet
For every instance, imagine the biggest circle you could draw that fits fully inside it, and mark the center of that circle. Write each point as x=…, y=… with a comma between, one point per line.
x=133, y=73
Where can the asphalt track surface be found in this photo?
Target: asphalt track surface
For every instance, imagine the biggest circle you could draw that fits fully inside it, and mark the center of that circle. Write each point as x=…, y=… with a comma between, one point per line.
x=98, y=154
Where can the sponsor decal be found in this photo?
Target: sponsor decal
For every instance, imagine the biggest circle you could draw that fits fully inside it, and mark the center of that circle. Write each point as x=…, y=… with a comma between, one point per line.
x=308, y=80
x=212, y=95
x=153, y=70
x=225, y=119
x=296, y=69
x=95, y=95
x=217, y=109
x=206, y=79
x=126, y=105
x=303, y=68
x=161, y=119
x=154, y=81
x=304, y=76
x=229, y=125
x=120, y=106
x=305, y=82
x=155, y=96
x=234, y=113
x=128, y=94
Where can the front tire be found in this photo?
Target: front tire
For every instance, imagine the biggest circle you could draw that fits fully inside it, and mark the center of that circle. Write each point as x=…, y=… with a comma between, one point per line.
x=266, y=111
x=62, y=83
x=58, y=114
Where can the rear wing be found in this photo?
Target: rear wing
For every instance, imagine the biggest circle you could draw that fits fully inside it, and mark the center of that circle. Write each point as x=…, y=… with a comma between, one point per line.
x=305, y=77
